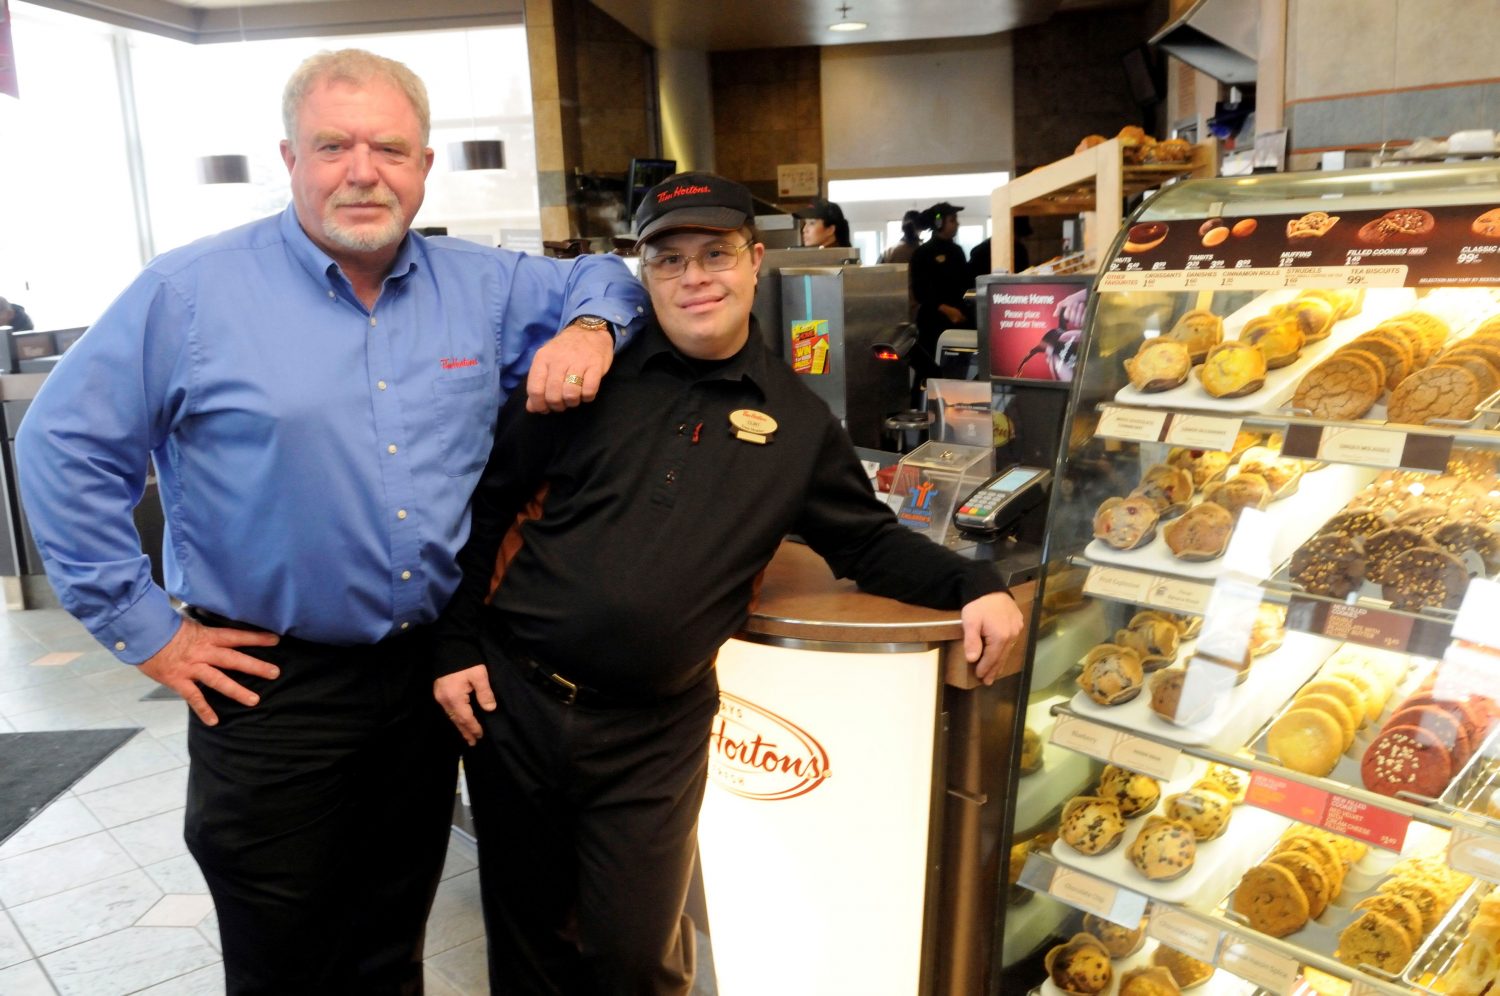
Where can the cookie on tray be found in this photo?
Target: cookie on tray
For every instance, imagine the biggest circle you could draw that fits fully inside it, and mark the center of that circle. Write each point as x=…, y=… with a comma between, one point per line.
x=1407, y=759
x=1399, y=908
x=1375, y=940
x=1344, y=386
x=1270, y=899
x=1382, y=549
x=1435, y=393
x=1306, y=740
x=1426, y=577
x=1311, y=877
x=1329, y=564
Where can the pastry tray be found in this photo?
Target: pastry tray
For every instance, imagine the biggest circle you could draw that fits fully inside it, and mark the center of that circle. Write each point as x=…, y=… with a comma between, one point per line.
x=1217, y=865
x=1221, y=983
x=1479, y=777
x=1321, y=494
x=1237, y=715
x=1361, y=881
x=1436, y=953
x=1346, y=770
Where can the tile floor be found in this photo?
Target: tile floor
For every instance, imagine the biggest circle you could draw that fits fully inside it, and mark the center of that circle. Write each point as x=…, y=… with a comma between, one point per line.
x=98, y=895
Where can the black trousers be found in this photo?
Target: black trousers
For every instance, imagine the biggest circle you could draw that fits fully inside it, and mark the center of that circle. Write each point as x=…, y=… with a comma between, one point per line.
x=587, y=821
x=320, y=818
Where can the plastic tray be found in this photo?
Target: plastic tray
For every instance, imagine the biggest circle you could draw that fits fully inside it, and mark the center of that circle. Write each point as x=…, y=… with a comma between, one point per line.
x=1237, y=715
x=1217, y=865
x=1219, y=984
x=1436, y=953
x=1477, y=779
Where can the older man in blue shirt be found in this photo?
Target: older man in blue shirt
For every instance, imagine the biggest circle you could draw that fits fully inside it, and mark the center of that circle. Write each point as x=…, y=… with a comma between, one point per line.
x=319, y=392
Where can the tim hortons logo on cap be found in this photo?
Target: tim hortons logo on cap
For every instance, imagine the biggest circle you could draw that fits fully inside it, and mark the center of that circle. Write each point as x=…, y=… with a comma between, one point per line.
x=679, y=191
x=757, y=754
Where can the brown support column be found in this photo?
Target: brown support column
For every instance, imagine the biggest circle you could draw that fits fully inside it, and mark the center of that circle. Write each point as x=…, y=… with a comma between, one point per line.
x=554, y=105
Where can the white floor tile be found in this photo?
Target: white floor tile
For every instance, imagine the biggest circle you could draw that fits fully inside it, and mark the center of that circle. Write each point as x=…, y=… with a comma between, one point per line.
x=5, y=726
x=177, y=910
x=179, y=874
x=142, y=755
x=158, y=718
x=48, y=696
x=128, y=961
x=64, y=819
x=138, y=799
x=86, y=913
x=207, y=981
x=460, y=859
x=50, y=870
x=154, y=839
x=25, y=979
x=13, y=949
x=209, y=928
x=89, y=714
x=456, y=916
x=464, y=969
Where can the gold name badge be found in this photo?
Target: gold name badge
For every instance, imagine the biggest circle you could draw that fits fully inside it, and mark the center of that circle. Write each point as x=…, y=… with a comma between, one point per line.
x=752, y=426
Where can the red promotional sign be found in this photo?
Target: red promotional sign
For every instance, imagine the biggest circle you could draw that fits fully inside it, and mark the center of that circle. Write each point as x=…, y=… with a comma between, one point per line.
x=1286, y=797
x=1314, y=806
x=8, y=81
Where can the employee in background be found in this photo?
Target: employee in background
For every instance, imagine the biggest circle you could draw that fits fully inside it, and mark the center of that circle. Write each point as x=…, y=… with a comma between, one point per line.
x=939, y=278
x=901, y=250
x=318, y=390
x=824, y=225
x=14, y=316
x=593, y=663
x=1020, y=259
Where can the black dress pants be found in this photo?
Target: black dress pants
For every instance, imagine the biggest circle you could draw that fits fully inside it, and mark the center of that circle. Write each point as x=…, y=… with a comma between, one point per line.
x=587, y=821
x=320, y=818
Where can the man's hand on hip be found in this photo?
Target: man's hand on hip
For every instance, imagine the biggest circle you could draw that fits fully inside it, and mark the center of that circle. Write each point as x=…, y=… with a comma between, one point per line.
x=566, y=371
x=452, y=692
x=992, y=624
x=197, y=654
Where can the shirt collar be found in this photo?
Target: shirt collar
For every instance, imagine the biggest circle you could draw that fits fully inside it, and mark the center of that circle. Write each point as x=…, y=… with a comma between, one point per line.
x=653, y=346
x=321, y=266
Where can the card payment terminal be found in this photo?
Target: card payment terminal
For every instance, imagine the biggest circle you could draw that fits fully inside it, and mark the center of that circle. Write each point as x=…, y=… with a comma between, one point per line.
x=997, y=503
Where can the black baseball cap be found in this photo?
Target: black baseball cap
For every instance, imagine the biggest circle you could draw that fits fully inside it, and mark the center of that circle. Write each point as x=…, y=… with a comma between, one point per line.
x=941, y=209
x=694, y=200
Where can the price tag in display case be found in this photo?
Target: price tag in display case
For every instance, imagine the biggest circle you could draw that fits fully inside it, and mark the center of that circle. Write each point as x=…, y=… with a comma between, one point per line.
x=1192, y=937
x=1203, y=432
x=1259, y=965
x=1084, y=737
x=1368, y=447
x=1093, y=895
x=1146, y=756
x=1131, y=424
x=1474, y=854
x=1286, y=798
x=1363, y=821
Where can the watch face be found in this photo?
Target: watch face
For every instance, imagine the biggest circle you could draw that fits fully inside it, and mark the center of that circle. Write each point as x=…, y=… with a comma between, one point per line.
x=590, y=322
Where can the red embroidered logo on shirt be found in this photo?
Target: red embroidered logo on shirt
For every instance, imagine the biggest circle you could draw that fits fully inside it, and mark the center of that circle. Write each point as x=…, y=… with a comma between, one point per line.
x=453, y=362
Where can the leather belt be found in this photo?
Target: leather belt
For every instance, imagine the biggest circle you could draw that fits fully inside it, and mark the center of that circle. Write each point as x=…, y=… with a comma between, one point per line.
x=570, y=692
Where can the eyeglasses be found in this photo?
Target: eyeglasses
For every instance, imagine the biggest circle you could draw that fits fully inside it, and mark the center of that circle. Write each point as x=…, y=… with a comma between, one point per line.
x=670, y=265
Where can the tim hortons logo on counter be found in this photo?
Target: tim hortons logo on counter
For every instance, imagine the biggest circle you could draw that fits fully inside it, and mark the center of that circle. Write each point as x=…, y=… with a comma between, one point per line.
x=757, y=754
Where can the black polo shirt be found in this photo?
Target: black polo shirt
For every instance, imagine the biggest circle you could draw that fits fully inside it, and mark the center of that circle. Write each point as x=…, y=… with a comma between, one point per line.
x=656, y=520
x=938, y=274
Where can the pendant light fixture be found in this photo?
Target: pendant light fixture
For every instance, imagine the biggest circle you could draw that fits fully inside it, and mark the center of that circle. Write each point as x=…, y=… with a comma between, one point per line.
x=477, y=153
x=843, y=23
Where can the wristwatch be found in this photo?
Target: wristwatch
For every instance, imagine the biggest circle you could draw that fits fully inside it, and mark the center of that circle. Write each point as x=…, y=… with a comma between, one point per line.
x=594, y=323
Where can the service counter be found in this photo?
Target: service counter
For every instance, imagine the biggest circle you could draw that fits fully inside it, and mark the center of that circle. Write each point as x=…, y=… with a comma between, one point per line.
x=850, y=832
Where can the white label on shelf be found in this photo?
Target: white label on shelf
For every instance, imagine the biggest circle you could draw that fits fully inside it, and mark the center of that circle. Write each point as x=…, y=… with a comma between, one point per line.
x=1474, y=854
x=1254, y=278
x=1130, y=423
x=1118, y=582
x=1370, y=447
x=1084, y=737
x=1146, y=756
x=1178, y=595
x=1479, y=614
x=1180, y=931
x=1256, y=964
x=1203, y=432
x=1085, y=892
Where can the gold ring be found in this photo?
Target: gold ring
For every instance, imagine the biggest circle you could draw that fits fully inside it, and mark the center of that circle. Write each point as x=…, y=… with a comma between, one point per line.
x=452, y=714
x=574, y=379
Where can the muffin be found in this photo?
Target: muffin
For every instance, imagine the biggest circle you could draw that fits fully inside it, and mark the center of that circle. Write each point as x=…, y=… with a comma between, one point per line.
x=1151, y=980
x=1159, y=365
x=1233, y=370
x=1091, y=824
x=1163, y=850
x=1169, y=489
x=1231, y=783
x=1136, y=794
x=1281, y=474
x=1125, y=523
x=1204, y=465
x=1031, y=752
x=1242, y=491
x=1199, y=330
x=1205, y=811
x=1080, y=967
x=1155, y=640
x=1200, y=534
x=1120, y=942
x=1268, y=630
x=1279, y=338
x=1312, y=316
x=1186, y=972
x=1112, y=675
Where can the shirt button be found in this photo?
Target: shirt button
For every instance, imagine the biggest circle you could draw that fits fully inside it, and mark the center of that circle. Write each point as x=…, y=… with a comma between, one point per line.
x=391, y=448
x=400, y=513
x=406, y=625
x=380, y=384
x=331, y=294
x=372, y=321
x=119, y=644
x=671, y=476
x=406, y=575
x=639, y=310
x=681, y=428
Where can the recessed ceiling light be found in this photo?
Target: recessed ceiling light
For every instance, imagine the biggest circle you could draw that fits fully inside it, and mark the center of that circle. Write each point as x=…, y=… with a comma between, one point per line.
x=844, y=24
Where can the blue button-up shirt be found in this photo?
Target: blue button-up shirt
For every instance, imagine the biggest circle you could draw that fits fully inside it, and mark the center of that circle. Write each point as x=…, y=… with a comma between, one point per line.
x=315, y=458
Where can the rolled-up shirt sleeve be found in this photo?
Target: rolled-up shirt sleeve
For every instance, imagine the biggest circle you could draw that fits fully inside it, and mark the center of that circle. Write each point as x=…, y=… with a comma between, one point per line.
x=83, y=455
x=588, y=285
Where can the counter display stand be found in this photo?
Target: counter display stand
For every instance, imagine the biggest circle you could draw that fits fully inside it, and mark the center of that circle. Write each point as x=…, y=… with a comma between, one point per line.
x=1319, y=657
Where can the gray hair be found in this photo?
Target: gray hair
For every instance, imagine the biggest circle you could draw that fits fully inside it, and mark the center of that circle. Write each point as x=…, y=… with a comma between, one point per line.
x=357, y=66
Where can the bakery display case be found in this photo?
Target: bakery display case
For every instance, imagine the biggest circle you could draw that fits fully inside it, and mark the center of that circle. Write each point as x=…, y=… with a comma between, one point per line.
x=1261, y=722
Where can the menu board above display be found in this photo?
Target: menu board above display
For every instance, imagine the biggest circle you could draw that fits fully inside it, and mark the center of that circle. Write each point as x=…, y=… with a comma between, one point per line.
x=1450, y=245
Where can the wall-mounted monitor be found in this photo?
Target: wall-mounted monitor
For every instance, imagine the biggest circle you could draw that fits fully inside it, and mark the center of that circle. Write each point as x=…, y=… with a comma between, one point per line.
x=645, y=174
x=1031, y=327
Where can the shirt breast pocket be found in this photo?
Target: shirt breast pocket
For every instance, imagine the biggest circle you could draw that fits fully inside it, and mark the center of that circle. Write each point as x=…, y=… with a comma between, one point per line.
x=466, y=408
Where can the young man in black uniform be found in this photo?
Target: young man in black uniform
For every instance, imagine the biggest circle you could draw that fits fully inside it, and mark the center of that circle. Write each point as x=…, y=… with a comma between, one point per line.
x=939, y=278
x=660, y=504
